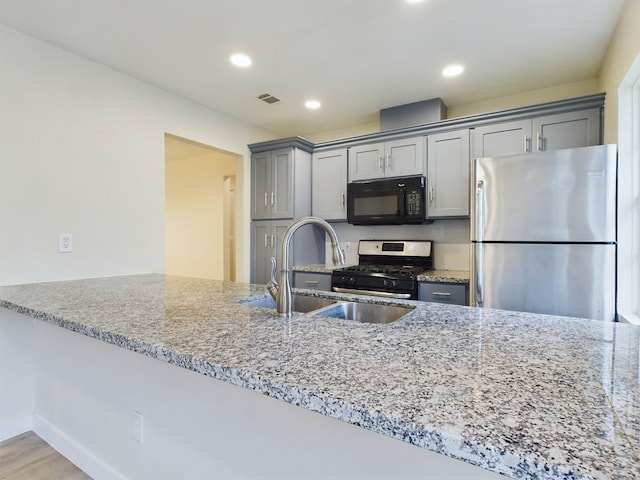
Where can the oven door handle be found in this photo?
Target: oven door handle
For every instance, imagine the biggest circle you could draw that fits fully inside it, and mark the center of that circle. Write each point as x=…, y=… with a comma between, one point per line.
x=371, y=292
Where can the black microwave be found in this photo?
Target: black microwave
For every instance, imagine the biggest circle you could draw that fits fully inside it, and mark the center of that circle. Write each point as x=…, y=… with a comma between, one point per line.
x=388, y=201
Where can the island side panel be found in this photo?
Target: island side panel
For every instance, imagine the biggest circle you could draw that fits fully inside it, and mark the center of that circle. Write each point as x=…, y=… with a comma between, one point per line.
x=195, y=426
x=17, y=380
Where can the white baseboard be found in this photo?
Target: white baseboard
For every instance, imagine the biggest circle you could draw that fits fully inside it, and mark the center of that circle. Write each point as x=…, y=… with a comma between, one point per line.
x=16, y=427
x=73, y=451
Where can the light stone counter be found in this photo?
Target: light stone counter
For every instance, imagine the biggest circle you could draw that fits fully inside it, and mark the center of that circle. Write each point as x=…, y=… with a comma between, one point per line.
x=529, y=396
x=445, y=276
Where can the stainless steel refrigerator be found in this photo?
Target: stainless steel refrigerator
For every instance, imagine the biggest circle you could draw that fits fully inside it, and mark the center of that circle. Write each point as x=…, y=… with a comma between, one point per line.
x=543, y=232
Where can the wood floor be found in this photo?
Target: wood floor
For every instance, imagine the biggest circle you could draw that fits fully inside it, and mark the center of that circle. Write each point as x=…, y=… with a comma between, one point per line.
x=28, y=457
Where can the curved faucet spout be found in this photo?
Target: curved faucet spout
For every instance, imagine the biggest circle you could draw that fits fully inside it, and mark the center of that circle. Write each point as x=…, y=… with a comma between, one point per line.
x=281, y=291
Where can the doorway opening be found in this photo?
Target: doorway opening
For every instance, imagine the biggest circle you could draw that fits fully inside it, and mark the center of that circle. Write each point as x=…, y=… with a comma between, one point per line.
x=200, y=210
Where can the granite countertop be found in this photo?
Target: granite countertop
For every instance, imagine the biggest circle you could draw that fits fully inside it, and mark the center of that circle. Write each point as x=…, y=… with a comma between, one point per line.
x=444, y=276
x=529, y=396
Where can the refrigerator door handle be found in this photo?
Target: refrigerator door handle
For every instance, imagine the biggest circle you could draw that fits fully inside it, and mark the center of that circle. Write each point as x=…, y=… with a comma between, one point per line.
x=479, y=212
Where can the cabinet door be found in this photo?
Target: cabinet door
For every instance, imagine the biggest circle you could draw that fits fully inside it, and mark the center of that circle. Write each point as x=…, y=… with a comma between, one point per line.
x=448, y=174
x=404, y=157
x=282, y=172
x=506, y=138
x=261, y=185
x=329, y=184
x=262, y=251
x=567, y=130
x=366, y=162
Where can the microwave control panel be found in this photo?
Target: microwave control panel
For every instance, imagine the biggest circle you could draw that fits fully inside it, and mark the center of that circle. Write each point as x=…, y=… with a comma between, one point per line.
x=414, y=202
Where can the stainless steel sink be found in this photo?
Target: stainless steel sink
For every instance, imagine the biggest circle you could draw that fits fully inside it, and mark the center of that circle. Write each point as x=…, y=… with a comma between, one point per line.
x=328, y=307
x=301, y=303
x=365, y=312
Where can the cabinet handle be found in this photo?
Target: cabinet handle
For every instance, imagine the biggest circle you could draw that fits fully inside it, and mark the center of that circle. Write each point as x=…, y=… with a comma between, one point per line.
x=273, y=241
x=526, y=143
x=388, y=160
x=266, y=240
x=311, y=282
x=266, y=199
x=431, y=195
x=273, y=197
x=381, y=163
x=441, y=294
x=343, y=200
x=539, y=141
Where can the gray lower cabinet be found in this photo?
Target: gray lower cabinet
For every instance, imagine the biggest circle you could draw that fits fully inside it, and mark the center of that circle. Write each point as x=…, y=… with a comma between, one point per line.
x=329, y=184
x=452, y=293
x=581, y=128
x=448, y=174
x=312, y=281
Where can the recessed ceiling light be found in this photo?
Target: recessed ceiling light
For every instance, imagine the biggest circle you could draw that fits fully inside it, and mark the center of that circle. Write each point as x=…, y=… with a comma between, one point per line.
x=312, y=104
x=452, y=70
x=240, y=60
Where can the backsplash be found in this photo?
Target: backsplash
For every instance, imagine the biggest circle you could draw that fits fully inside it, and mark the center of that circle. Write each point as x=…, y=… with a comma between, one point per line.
x=450, y=238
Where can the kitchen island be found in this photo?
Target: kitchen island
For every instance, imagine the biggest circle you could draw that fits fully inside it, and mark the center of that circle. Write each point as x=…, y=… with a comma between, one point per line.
x=523, y=395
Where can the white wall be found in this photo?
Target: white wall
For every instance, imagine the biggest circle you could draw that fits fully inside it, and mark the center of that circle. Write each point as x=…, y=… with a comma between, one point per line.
x=82, y=151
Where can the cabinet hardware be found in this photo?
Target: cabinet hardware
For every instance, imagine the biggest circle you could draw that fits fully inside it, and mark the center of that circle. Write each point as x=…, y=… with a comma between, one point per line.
x=526, y=143
x=273, y=241
x=266, y=199
x=381, y=163
x=441, y=294
x=343, y=200
x=539, y=141
x=273, y=198
x=311, y=282
x=431, y=195
x=266, y=240
x=388, y=160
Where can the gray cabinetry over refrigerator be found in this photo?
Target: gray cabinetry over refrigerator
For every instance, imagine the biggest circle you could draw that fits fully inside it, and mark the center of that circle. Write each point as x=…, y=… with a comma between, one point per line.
x=581, y=128
x=448, y=174
x=393, y=158
x=329, y=184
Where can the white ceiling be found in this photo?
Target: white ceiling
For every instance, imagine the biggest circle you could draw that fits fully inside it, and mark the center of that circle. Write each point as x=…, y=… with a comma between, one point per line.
x=356, y=56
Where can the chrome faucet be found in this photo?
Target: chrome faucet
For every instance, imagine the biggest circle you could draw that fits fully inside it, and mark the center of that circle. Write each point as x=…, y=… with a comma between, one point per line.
x=281, y=292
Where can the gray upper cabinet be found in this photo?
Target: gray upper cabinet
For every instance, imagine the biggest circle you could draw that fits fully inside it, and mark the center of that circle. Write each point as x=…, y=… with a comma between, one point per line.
x=579, y=128
x=329, y=184
x=393, y=158
x=567, y=130
x=504, y=138
x=448, y=174
x=272, y=184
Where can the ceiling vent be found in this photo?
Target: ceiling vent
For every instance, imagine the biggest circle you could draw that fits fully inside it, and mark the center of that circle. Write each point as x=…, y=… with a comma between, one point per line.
x=268, y=98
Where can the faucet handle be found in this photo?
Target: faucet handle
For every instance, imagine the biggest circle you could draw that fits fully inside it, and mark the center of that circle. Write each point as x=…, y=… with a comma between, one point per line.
x=274, y=270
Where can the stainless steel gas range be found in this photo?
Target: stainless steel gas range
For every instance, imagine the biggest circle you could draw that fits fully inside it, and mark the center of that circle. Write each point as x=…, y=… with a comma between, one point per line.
x=387, y=268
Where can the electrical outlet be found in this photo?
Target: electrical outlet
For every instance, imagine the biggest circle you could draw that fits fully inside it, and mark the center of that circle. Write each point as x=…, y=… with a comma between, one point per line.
x=138, y=429
x=65, y=243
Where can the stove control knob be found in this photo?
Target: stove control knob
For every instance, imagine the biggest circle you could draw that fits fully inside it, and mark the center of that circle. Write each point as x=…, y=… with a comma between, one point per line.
x=394, y=284
x=352, y=280
x=385, y=283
